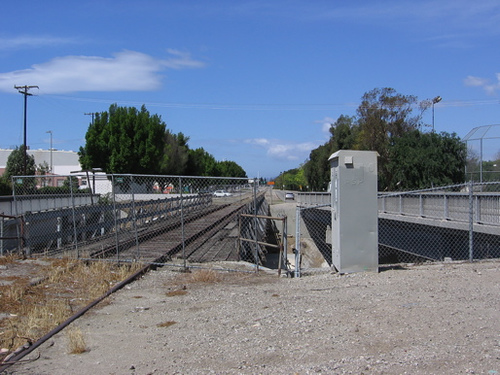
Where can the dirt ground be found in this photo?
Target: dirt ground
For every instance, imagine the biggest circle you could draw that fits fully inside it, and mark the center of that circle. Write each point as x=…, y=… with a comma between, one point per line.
x=417, y=319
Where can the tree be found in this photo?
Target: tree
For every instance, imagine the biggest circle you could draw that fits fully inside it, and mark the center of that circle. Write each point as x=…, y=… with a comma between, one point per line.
x=344, y=133
x=124, y=140
x=230, y=169
x=383, y=116
x=15, y=167
x=317, y=168
x=388, y=122
x=176, y=154
x=15, y=163
x=293, y=179
x=5, y=187
x=201, y=163
x=421, y=160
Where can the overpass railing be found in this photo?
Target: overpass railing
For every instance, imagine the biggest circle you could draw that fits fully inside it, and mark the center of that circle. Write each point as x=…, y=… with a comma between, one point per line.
x=456, y=222
x=477, y=202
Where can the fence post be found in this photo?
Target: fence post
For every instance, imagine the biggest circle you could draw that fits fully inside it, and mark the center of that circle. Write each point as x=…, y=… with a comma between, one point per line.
x=471, y=221
x=446, y=211
x=75, y=235
x=1, y=237
x=297, y=241
x=134, y=218
x=182, y=225
x=58, y=229
x=113, y=193
x=83, y=225
x=256, y=255
x=20, y=233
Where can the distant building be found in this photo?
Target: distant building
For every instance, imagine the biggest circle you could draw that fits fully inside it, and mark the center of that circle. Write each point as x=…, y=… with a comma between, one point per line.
x=63, y=162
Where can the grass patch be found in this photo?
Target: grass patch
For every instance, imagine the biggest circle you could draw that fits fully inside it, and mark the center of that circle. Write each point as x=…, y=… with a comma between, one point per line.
x=67, y=285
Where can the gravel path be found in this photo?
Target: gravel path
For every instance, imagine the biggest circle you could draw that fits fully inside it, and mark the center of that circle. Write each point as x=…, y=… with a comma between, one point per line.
x=427, y=319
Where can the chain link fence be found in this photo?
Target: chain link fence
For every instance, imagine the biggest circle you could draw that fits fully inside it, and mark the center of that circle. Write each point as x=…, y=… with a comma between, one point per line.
x=176, y=220
x=459, y=222
x=188, y=221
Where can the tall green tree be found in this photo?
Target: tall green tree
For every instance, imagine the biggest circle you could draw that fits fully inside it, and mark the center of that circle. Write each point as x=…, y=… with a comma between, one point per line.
x=344, y=133
x=228, y=168
x=201, y=163
x=15, y=163
x=15, y=167
x=388, y=122
x=422, y=160
x=317, y=168
x=383, y=116
x=124, y=140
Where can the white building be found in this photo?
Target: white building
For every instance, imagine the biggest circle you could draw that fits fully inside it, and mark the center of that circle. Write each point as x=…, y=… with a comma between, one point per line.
x=60, y=162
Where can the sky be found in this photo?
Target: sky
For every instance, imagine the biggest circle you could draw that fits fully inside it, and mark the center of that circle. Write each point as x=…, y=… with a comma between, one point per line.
x=256, y=82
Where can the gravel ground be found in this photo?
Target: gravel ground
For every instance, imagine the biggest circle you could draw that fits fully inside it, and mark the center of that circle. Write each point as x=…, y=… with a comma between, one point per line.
x=417, y=319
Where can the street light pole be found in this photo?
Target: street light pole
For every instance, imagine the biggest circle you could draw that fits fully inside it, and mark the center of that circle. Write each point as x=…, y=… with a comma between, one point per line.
x=50, y=132
x=437, y=99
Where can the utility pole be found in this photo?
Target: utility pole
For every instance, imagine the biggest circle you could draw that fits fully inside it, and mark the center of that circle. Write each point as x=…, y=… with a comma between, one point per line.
x=90, y=114
x=24, y=90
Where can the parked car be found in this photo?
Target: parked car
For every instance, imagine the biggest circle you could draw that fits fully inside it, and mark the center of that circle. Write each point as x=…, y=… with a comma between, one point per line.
x=221, y=193
x=289, y=196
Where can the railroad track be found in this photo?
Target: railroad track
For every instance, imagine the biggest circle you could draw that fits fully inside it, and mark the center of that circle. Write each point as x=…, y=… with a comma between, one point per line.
x=209, y=235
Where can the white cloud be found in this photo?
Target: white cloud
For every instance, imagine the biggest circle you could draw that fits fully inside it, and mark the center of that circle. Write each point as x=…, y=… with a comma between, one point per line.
x=284, y=150
x=258, y=141
x=490, y=88
x=125, y=71
x=181, y=60
x=28, y=41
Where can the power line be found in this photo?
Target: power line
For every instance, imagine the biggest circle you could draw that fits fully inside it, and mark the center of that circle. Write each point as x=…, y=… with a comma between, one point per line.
x=262, y=107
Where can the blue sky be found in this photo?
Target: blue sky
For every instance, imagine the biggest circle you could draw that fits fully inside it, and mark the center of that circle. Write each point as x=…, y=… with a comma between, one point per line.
x=249, y=81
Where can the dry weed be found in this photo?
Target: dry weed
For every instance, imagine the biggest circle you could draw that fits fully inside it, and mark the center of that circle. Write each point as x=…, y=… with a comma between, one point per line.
x=40, y=319
x=178, y=292
x=125, y=270
x=14, y=292
x=67, y=285
x=166, y=324
x=76, y=341
x=10, y=258
x=204, y=276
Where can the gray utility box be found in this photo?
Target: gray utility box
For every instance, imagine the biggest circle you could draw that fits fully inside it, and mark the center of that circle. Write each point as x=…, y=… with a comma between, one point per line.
x=354, y=211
